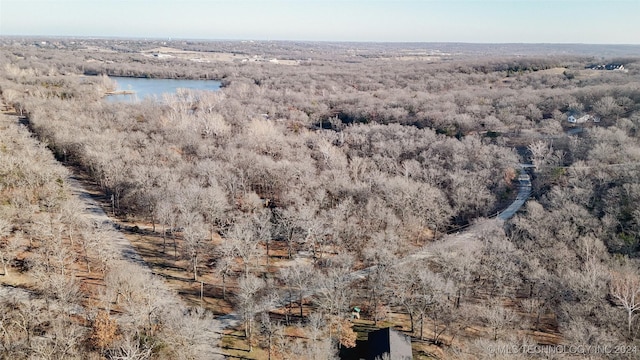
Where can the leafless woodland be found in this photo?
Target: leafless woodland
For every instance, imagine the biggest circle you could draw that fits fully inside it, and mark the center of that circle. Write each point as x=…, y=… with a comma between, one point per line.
x=313, y=161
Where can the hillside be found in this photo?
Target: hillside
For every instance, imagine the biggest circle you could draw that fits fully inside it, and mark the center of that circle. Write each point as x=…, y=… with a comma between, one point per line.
x=258, y=216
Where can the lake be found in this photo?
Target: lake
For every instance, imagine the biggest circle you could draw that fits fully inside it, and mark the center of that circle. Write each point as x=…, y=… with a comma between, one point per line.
x=154, y=88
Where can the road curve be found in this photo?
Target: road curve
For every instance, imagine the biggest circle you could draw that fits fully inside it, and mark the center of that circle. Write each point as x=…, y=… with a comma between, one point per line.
x=95, y=213
x=524, y=191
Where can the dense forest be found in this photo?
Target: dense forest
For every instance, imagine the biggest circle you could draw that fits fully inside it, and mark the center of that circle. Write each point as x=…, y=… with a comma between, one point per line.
x=259, y=200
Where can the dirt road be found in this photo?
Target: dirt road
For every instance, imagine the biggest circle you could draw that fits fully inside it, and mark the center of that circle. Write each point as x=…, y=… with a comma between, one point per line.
x=125, y=251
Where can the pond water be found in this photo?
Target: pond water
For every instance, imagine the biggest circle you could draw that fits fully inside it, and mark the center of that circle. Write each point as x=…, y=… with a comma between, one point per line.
x=154, y=88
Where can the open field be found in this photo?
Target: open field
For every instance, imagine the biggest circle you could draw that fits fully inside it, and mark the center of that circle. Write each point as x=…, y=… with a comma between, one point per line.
x=198, y=56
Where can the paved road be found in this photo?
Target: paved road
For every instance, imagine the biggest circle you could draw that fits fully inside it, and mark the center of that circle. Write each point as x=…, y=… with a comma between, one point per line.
x=524, y=191
x=95, y=213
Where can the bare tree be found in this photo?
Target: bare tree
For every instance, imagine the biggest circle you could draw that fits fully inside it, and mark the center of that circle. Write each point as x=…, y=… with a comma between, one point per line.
x=498, y=318
x=62, y=341
x=313, y=227
x=224, y=265
x=214, y=206
x=247, y=302
x=269, y=329
x=380, y=254
x=540, y=153
x=263, y=228
x=167, y=217
x=332, y=288
x=188, y=332
x=195, y=244
x=607, y=106
x=288, y=227
x=9, y=247
x=244, y=240
x=418, y=292
x=625, y=290
x=298, y=277
x=97, y=239
x=131, y=347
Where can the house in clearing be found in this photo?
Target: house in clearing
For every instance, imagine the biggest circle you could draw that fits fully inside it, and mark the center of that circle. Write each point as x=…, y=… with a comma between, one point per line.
x=580, y=119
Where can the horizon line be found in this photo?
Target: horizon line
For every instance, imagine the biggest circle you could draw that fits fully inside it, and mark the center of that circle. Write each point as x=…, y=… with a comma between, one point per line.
x=155, y=38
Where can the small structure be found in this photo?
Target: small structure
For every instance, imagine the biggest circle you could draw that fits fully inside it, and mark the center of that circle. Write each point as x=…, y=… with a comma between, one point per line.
x=524, y=177
x=581, y=119
x=355, y=313
x=397, y=346
x=610, y=66
x=162, y=56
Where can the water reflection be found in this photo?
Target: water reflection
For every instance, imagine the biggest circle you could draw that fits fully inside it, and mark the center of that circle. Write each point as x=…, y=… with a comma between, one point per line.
x=137, y=89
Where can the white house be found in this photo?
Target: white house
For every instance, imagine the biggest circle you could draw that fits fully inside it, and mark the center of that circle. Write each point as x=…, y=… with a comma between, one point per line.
x=574, y=119
x=583, y=119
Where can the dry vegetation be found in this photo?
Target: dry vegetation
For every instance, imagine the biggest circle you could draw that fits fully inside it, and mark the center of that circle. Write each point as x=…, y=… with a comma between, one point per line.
x=291, y=177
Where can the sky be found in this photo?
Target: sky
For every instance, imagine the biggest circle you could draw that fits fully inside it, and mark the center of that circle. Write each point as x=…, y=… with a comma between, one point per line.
x=474, y=21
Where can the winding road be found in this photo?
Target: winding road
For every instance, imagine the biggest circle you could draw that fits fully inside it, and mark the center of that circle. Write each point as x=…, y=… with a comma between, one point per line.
x=94, y=213
x=231, y=320
x=524, y=191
